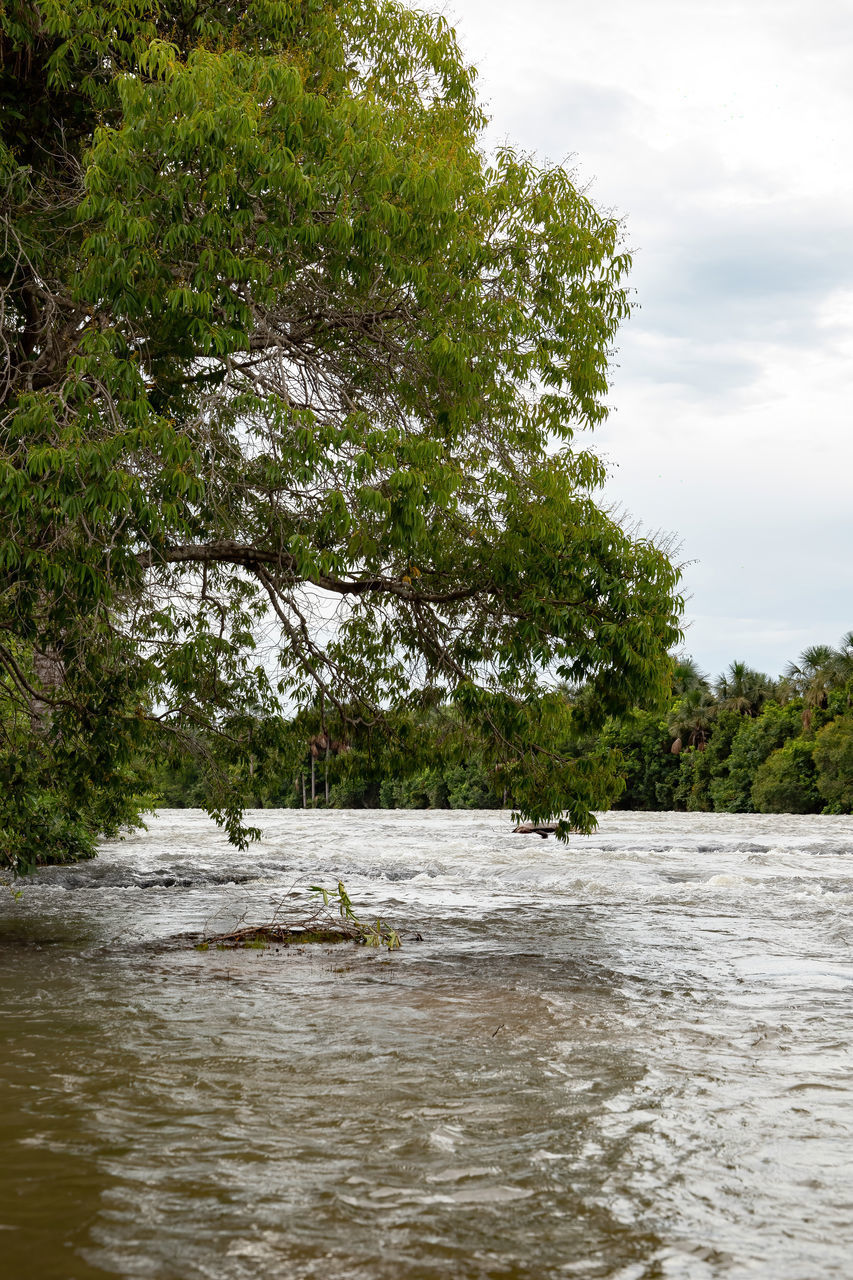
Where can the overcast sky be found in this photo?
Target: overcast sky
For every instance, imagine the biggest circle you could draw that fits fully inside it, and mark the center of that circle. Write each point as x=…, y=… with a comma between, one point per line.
x=720, y=132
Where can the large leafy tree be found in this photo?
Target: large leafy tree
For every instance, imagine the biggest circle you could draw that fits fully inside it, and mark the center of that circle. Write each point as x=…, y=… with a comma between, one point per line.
x=785, y=782
x=287, y=361
x=833, y=756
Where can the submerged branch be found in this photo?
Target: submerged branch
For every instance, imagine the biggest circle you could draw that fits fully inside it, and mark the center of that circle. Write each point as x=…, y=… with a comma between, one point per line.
x=321, y=925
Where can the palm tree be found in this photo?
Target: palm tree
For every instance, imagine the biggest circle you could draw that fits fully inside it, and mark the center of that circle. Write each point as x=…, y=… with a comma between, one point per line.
x=743, y=689
x=845, y=662
x=686, y=675
x=692, y=717
x=813, y=668
x=689, y=720
x=817, y=672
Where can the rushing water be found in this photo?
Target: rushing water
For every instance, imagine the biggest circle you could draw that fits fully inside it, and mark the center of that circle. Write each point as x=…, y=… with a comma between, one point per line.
x=630, y=1058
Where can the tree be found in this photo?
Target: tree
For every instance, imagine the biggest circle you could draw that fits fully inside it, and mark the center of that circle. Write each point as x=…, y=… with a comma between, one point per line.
x=648, y=764
x=282, y=346
x=755, y=739
x=785, y=782
x=686, y=675
x=845, y=657
x=833, y=755
x=817, y=672
x=693, y=788
x=743, y=689
x=691, y=718
x=691, y=714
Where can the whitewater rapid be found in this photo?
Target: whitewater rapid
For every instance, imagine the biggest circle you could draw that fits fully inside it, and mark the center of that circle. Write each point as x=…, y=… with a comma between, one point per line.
x=629, y=1058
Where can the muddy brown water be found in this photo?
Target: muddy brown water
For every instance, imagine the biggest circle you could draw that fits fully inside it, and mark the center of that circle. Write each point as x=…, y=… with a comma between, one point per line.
x=627, y=1059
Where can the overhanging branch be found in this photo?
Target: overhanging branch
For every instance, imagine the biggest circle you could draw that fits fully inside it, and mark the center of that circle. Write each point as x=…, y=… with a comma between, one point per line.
x=256, y=559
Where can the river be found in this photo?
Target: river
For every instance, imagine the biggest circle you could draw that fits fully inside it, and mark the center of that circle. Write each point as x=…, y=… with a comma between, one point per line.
x=626, y=1059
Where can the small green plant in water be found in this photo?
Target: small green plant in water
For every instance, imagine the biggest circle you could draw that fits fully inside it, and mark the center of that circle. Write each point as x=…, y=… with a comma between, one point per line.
x=320, y=926
x=372, y=935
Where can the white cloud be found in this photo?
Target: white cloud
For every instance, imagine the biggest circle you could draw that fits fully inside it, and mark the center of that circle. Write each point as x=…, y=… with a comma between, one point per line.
x=720, y=133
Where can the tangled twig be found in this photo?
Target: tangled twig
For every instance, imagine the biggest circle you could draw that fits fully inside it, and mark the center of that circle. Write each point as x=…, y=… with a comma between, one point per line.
x=324, y=924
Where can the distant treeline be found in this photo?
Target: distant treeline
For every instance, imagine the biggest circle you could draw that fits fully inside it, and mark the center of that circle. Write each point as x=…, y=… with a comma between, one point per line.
x=743, y=743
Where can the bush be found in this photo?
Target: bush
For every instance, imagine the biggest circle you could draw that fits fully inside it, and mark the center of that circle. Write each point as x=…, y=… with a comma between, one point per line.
x=388, y=794
x=648, y=765
x=353, y=792
x=833, y=756
x=753, y=743
x=694, y=776
x=468, y=788
x=785, y=783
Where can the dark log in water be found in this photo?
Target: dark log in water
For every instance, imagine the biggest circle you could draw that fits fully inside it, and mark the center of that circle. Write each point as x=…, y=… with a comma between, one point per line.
x=543, y=829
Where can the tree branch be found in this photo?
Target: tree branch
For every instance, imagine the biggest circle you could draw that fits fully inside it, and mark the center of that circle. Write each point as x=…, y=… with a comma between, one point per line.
x=256, y=558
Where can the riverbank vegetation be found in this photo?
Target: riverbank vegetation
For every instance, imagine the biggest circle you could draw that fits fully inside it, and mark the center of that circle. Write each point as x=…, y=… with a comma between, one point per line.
x=293, y=381
x=743, y=743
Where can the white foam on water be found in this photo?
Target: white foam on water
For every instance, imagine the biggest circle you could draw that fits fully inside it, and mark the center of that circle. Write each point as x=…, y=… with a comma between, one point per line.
x=630, y=1052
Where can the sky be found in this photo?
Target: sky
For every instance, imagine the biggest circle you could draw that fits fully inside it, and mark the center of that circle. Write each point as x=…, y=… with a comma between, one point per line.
x=719, y=133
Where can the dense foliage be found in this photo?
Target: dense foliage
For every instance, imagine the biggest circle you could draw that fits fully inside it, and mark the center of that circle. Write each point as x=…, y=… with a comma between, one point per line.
x=744, y=744
x=290, y=380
